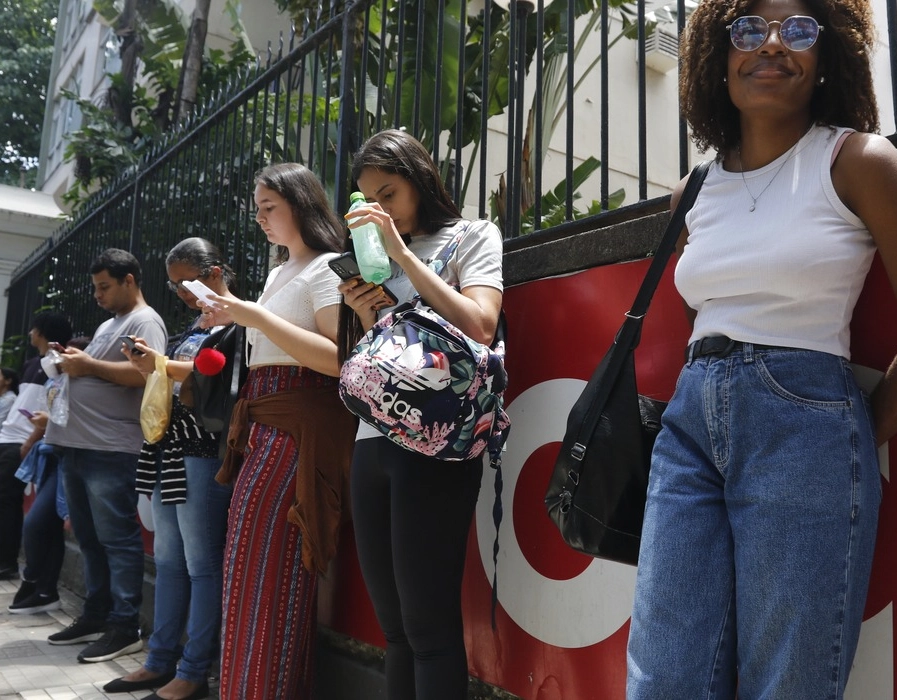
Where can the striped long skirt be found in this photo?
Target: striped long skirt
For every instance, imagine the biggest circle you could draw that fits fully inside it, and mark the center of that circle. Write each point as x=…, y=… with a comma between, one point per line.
x=270, y=598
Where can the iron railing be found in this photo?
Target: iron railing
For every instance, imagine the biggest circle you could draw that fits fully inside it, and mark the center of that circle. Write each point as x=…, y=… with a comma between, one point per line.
x=490, y=92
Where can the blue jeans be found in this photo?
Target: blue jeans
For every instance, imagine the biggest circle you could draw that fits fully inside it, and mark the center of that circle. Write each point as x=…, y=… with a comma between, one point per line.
x=100, y=492
x=759, y=531
x=188, y=550
x=44, y=539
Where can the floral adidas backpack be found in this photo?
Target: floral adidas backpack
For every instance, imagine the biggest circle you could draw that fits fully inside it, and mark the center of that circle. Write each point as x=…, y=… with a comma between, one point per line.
x=427, y=386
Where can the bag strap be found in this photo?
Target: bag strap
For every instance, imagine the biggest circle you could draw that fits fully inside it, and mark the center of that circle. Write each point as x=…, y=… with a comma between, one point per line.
x=629, y=335
x=669, y=240
x=448, y=250
x=238, y=364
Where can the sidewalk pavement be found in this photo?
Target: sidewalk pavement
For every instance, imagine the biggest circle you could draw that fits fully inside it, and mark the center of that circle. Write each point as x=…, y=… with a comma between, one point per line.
x=33, y=669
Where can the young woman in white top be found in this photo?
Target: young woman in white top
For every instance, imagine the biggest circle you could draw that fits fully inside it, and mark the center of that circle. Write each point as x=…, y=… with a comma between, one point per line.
x=763, y=498
x=289, y=447
x=411, y=512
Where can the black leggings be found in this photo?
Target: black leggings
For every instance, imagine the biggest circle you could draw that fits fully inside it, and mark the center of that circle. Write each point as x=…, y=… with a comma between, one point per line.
x=11, y=499
x=412, y=517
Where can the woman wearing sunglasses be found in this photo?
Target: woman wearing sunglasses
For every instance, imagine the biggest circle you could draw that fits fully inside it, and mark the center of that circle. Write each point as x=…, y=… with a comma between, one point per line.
x=764, y=492
x=189, y=507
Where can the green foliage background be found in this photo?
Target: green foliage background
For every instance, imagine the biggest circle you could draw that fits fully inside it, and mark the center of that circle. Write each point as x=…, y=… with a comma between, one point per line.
x=27, y=33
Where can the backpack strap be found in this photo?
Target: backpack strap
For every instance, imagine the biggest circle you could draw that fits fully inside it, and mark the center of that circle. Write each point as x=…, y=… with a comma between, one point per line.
x=440, y=262
x=496, y=442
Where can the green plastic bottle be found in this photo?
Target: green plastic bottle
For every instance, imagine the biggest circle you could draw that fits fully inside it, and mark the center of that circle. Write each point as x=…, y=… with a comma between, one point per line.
x=373, y=262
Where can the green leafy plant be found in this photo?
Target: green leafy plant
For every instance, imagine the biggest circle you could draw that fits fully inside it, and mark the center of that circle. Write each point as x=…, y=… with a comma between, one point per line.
x=133, y=116
x=27, y=30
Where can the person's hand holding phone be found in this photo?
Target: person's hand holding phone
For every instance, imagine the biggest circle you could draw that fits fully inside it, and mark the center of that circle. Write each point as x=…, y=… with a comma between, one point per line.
x=363, y=297
x=216, y=313
x=226, y=310
x=76, y=362
x=139, y=354
x=39, y=419
x=130, y=344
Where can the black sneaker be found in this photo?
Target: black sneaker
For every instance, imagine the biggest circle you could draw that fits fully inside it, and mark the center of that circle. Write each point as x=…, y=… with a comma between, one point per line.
x=114, y=643
x=81, y=630
x=26, y=590
x=36, y=603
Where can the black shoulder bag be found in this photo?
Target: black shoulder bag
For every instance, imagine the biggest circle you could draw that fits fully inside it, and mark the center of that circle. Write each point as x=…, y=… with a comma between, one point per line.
x=597, y=492
x=213, y=396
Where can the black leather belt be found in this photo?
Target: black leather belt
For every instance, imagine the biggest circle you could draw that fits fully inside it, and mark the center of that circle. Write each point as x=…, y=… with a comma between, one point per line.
x=719, y=346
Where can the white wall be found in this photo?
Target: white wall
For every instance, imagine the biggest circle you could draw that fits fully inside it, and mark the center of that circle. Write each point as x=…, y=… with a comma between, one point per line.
x=26, y=219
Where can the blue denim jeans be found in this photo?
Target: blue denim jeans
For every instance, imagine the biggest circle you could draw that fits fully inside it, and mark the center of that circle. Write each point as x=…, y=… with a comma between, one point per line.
x=100, y=492
x=759, y=531
x=43, y=537
x=189, y=548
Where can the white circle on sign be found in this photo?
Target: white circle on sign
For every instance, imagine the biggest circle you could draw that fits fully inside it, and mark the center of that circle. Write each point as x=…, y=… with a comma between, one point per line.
x=572, y=613
x=145, y=511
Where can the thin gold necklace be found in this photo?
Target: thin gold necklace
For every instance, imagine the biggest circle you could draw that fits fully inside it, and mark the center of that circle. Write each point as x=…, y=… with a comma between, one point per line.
x=754, y=199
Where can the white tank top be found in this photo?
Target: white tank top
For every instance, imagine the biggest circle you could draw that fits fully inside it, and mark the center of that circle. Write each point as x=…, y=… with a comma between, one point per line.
x=788, y=273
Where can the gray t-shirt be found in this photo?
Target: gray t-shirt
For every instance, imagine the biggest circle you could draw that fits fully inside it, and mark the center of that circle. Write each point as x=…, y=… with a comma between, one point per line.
x=102, y=415
x=476, y=262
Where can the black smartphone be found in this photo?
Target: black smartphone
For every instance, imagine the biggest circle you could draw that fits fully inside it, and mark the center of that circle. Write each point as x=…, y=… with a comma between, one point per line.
x=129, y=341
x=346, y=267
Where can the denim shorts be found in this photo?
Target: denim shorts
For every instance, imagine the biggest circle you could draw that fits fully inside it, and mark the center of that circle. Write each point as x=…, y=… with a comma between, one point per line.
x=759, y=531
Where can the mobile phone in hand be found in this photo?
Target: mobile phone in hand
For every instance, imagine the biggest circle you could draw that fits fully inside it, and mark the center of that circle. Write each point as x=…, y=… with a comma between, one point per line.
x=129, y=341
x=201, y=292
x=346, y=267
x=25, y=412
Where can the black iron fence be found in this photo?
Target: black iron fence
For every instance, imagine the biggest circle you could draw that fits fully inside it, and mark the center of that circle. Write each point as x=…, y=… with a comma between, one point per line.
x=499, y=96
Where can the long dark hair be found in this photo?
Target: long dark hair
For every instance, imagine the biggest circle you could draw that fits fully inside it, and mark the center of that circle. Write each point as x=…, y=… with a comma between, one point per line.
x=317, y=223
x=845, y=99
x=396, y=151
x=202, y=255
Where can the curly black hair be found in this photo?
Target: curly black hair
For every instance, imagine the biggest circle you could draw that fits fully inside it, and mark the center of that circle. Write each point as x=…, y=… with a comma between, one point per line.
x=846, y=98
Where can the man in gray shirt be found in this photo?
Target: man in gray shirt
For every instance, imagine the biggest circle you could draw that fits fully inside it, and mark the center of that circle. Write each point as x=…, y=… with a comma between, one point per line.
x=98, y=449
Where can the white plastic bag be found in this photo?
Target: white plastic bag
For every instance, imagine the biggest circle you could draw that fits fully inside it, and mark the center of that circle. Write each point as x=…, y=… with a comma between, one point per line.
x=57, y=389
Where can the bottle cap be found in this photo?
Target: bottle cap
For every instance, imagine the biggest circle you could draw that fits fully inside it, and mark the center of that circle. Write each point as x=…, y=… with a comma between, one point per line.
x=357, y=196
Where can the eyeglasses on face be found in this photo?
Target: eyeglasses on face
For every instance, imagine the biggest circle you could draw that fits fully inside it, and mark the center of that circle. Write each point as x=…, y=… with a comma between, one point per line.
x=174, y=286
x=797, y=33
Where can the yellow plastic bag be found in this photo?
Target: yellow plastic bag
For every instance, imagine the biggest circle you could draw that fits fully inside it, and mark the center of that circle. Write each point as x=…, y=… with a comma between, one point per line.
x=155, y=411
